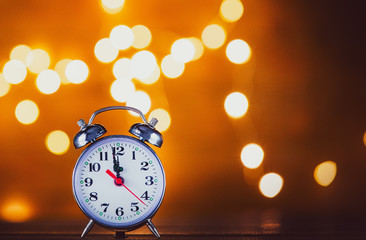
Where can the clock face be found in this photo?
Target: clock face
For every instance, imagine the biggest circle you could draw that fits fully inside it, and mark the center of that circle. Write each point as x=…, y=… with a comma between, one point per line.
x=119, y=182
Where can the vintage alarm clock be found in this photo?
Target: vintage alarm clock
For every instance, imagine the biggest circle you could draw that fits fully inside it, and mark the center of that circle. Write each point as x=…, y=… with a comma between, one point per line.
x=118, y=181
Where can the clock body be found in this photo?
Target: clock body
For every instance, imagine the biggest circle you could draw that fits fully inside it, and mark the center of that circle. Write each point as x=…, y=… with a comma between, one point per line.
x=119, y=182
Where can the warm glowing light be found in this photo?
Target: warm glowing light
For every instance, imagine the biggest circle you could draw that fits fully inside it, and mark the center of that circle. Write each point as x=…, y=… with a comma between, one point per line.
x=238, y=51
x=153, y=78
x=252, y=156
x=142, y=37
x=16, y=210
x=213, y=36
x=270, y=185
x=121, y=37
x=4, y=86
x=105, y=51
x=198, y=46
x=112, y=6
x=364, y=139
x=143, y=64
x=236, y=104
x=38, y=60
x=77, y=71
x=231, y=10
x=325, y=173
x=182, y=50
x=140, y=100
x=26, y=112
x=122, y=69
x=60, y=69
x=57, y=142
x=20, y=53
x=14, y=71
x=48, y=81
x=122, y=90
x=163, y=117
x=171, y=68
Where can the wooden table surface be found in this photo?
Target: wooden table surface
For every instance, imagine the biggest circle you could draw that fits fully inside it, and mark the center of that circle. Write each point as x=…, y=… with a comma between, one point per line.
x=296, y=227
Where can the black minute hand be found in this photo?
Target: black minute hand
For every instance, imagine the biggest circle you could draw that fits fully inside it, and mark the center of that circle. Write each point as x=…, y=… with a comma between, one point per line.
x=116, y=166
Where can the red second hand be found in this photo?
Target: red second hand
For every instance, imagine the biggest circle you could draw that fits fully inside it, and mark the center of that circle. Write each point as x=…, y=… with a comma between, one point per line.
x=115, y=178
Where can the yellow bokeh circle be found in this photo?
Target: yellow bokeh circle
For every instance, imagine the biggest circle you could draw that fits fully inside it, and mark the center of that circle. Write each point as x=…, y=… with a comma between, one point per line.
x=213, y=36
x=270, y=184
x=57, y=142
x=26, y=112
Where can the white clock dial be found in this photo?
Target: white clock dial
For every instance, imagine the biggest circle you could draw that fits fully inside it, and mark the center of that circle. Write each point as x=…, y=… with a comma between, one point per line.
x=119, y=182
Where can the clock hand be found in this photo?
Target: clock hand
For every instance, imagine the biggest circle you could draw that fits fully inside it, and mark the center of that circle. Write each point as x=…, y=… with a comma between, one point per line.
x=119, y=182
x=116, y=166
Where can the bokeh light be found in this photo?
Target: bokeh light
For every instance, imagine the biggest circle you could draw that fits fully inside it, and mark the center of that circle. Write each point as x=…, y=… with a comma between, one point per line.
x=48, y=81
x=122, y=69
x=364, y=139
x=76, y=71
x=105, y=51
x=153, y=78
x=183, y=50
x=121, y=37
x=140, y=100
x=171, y=68
x=163, y=117
x=142, y=36
x=325, y=173
x=231, y=10
x=112, y=6
x=38, y=60
x=4, y=86
x=122, y=90
x=57, y=142
x=16, y=210
x=252, y=155
x=26, y=112
x=143, y=64
x=14, y=71
x=60, y=68
x=213, y=36
x=198, y=46
x=236, y=104
x=270, y=185
x=238, y=51
x=20, y=53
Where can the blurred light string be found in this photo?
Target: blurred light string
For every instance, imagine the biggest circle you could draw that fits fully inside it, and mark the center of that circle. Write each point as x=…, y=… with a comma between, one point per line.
x=183, y=51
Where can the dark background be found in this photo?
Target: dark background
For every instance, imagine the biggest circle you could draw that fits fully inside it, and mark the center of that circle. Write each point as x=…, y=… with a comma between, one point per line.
x=305, y=84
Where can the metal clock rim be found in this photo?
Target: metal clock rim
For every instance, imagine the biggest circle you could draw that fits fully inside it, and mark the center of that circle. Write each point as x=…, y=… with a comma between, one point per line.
x=145, y=219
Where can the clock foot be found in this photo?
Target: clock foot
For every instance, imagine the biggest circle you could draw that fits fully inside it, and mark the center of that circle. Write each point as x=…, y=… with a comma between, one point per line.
x=87, y=228
x=152, y=228
x=120, y=235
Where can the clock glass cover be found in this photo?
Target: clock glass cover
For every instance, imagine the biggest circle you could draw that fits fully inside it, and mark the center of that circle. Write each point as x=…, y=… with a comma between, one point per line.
x=119, y=182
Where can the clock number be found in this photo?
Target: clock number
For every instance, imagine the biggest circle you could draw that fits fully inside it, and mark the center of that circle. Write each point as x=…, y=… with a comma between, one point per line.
x=103, y=156
x=133, y=155
x=149, y=181
x=144, y=166
x=134, y=207
x=119, y=211
x=93, y=196
x=145, y=196
x=117, y=151
x=106, y=205
x=88, y=182
x=94, y=167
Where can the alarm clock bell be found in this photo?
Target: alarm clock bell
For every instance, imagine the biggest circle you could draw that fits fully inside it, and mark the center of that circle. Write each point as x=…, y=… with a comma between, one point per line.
x=144, y=131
